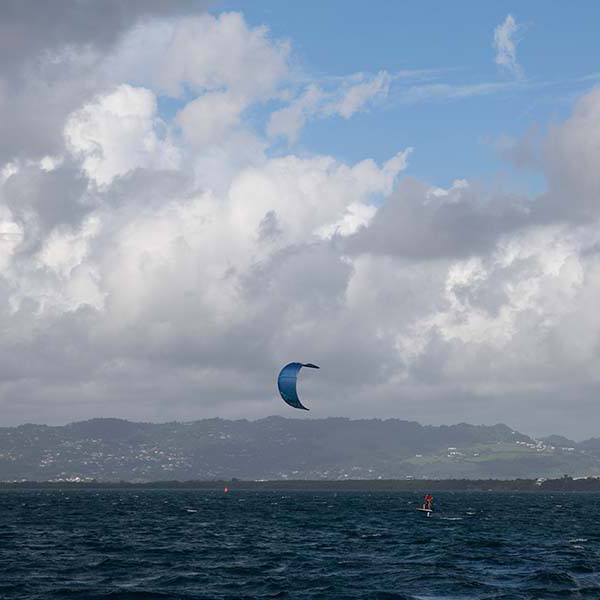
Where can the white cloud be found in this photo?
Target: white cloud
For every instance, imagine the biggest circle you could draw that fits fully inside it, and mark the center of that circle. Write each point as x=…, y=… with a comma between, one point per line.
x=289, y=121
x=209, y=117
x=209, y=53
x=356, y=96
x=351, y=95
x=506, y=47
x=309, y=196
x=444, y=91
x=49, y=163
x=118, y=133
x=11, y=236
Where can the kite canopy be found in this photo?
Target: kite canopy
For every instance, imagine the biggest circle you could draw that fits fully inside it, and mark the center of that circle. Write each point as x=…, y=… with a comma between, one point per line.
x=286, y=382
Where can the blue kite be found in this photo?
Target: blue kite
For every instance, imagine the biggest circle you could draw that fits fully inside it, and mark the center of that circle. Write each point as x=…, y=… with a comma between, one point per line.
x=286, y=382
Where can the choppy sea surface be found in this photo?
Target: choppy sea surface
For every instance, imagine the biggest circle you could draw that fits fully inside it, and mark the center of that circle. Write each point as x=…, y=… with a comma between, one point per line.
x=188, y=544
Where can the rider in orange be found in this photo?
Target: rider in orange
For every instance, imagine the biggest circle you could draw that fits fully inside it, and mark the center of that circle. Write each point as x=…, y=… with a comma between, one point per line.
x=428, y=501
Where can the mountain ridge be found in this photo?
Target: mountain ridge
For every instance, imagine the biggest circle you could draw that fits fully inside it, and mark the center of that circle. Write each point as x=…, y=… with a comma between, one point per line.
x=276, y=447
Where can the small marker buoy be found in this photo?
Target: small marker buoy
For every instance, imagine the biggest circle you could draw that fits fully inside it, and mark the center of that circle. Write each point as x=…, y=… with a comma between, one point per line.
x=225, y=490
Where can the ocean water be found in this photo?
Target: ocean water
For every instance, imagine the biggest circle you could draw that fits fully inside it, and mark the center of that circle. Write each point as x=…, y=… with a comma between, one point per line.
x=188, y=544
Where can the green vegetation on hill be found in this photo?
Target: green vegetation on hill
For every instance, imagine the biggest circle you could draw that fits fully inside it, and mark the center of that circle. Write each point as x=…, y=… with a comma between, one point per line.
x=276, y=448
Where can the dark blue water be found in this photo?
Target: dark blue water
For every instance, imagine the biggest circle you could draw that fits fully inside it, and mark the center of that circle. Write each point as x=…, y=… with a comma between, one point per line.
x=196, y=544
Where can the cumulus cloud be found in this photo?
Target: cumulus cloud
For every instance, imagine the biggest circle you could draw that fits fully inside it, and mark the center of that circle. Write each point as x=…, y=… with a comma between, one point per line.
x=211, y=53
x=158, y=265
x=51, y=56
x=506, y=47
x=117, y=133
x=207, y=118
x=144, y=279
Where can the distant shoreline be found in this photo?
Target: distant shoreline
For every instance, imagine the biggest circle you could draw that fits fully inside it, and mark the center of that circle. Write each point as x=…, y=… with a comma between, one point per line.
x=590, y=484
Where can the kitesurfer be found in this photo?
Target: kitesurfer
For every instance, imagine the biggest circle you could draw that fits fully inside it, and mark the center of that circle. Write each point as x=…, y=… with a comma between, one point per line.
x=427, y=502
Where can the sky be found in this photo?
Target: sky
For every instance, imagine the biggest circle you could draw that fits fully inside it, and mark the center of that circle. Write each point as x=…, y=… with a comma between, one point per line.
x=194, y=193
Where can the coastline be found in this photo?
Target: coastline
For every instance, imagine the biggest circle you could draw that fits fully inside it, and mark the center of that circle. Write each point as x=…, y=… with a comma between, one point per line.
x=564, y=484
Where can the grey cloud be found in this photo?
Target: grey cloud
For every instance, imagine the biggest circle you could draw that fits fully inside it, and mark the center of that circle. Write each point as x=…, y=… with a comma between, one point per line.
x=33, y=111
x=291, y=306
x=299, y=297
x=28, y=29
x=49, y=54
x=45, y=364
x=146, y=188
x=416, y=224
x=51, y=198
x=524, y=152
x=312, y=278
x=268, y=228
x=571, y=154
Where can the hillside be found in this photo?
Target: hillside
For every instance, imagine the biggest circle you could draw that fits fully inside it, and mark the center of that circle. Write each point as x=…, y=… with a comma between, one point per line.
x=279, y=448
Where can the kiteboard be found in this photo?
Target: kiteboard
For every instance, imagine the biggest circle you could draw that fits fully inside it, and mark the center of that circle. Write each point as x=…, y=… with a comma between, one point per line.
x=427, y=511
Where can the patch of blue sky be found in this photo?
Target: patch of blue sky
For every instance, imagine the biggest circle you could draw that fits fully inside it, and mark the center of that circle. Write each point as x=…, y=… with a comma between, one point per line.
x=458, y=102
x=168, y=106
